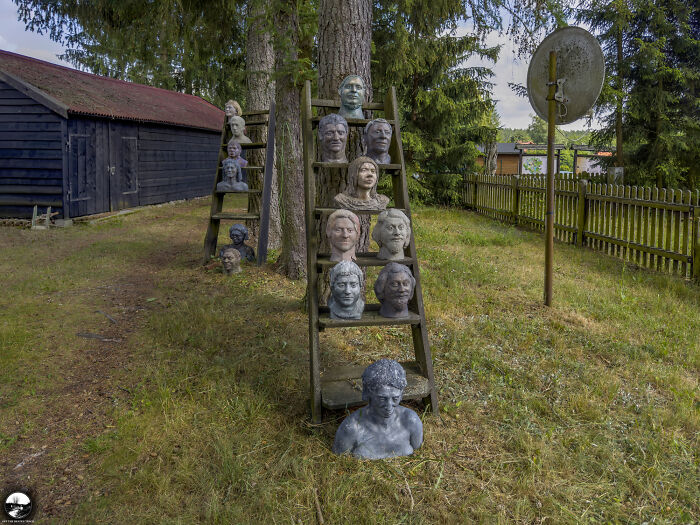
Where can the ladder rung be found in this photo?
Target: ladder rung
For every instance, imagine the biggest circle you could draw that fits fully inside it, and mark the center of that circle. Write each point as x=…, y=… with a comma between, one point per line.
x=342, y=386
x=322, y=211
x=234, y=216
x=357, y=122
x=325, y=103
x=363, y=259
x=247, y=191
x=369, y=318
x=386, y=167
x=255, y=122
x=253, y=145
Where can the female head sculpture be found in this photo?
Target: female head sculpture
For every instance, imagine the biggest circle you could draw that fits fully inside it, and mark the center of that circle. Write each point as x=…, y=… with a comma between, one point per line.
x=377, y=139
x=239, y=234
x=383, y=428
x=232, y=179
x=237, y=125
x=343, y=231
x=333, y=135
x=352, y=96
x=346, y=281
x=230, y=259
x=232, y=109
x=392, y=233
x=361, y=191
x=394, y=288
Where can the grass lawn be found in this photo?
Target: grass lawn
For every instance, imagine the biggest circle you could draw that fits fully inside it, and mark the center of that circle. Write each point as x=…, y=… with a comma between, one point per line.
x=138, y=387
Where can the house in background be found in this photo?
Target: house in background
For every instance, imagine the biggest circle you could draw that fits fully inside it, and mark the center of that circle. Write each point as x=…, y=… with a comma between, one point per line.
x=520, y=158
x=86, y=144
x=507, y=158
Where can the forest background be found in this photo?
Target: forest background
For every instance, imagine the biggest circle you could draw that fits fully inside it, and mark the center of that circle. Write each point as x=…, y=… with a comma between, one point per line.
x=257, y=51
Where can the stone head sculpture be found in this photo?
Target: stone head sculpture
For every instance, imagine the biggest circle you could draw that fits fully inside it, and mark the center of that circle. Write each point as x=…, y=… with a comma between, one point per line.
x=343, y=231
x=392, y=233
x=383, y=428
x=346, y=281
x=333, y=135
x=239, y=234
x=377, y=139
x=230, y=260
x=361, y=191
x=394, y=288
x=237, y=125
x=352, y=96
x=233, y=149
x=232, y=109
x=232, y=179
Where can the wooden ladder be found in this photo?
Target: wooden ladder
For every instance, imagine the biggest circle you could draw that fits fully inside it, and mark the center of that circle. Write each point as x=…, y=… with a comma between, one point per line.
x=260, y=118
x=334, y=388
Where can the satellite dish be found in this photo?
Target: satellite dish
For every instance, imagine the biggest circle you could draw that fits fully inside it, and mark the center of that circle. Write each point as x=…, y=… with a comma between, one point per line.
x=580, y=74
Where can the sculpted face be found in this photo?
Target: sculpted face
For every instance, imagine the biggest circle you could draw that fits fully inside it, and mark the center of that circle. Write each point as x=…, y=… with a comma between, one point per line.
x=378, y=138
x=236, y=127
x=366, y=176
x=398, y=290
x=343, y=234
x=237, y=237
x=393, y=234
x=352, y=92
x=334, y=137
x=384, y=400
x=233, y=149
x=230, y=109
x=346, y=290
x=230, y=259
x=229, y=171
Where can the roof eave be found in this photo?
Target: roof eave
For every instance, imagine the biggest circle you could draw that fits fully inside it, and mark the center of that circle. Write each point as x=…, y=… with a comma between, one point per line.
x=33, y=92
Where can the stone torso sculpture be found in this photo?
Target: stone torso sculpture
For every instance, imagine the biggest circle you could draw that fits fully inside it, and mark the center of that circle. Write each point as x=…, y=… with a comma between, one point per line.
x=343, y=230
x=239, y=234
x=346, y=281
x=392, y=233
x=394, y=288
x=383, y=428
x=230, y=260
x=237, y=125
x=333, y=135
x=377, y=139
x=361, y=192
x=234, y=149
x=232, y=177
x=352, y=96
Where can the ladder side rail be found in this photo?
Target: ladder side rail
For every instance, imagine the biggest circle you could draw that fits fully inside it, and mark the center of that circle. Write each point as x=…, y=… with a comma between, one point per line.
x=217, y=202
x=264, y=229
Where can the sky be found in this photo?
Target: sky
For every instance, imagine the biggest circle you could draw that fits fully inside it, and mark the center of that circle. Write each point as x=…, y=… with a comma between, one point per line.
x=514, y=111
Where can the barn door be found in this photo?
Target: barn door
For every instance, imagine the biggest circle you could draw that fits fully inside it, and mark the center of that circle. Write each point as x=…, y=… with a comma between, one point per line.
x=88, y=176
x=123, y=166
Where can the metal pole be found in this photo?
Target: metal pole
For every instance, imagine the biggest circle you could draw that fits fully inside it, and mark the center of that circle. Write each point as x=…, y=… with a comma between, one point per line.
x=549, y=217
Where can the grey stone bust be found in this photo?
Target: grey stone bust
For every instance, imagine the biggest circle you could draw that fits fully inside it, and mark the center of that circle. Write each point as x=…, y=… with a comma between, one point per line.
x=239, y=234
x=394, y=288
x=346, y=301
x=377, y=139
x=392, y=233
x=361, y=191
x=237, y=125
x=232, y=109
x=232, y=177
x=333, y=136
x=383, y=428
x=343, y=231
x=233, y=149
x=352, y=96
x=230, y=260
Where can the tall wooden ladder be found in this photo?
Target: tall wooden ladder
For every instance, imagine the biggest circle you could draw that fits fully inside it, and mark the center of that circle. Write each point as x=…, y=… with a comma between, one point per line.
x=253, y=118
x=338, y=386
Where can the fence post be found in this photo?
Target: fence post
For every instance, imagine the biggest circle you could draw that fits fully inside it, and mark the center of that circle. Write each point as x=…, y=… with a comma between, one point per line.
x=696, y=247
x=582, y=183
x=474, y=189
x=515, y=189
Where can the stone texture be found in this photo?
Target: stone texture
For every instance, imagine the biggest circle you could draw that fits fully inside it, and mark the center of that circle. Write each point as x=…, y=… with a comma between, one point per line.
x=392, y=233
x=394, y=288
x=232, y=109
x=333, y=136
x=377, y=139
x=239, y=234
x=237, y=125
x=346, y=281
x=361, y=191
x=232, y=179
x=383, y=428
x=343, y=231
x=230, y=259
x=352, y=95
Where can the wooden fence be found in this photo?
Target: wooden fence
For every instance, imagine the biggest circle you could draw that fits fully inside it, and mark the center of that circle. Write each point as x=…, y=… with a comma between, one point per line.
x=656, y=228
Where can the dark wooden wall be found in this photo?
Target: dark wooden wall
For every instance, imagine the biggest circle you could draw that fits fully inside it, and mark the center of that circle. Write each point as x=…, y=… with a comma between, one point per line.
x=176, y=163
x=31, y=158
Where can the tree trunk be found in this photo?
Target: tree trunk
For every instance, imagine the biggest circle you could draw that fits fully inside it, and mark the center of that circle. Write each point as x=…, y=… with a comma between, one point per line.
x=292, y=260
x=618, y=111
x=260, y=61
x=344, y=48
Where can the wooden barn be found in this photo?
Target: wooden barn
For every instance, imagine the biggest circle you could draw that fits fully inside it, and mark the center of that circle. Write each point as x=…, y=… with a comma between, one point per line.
x=86, y=144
